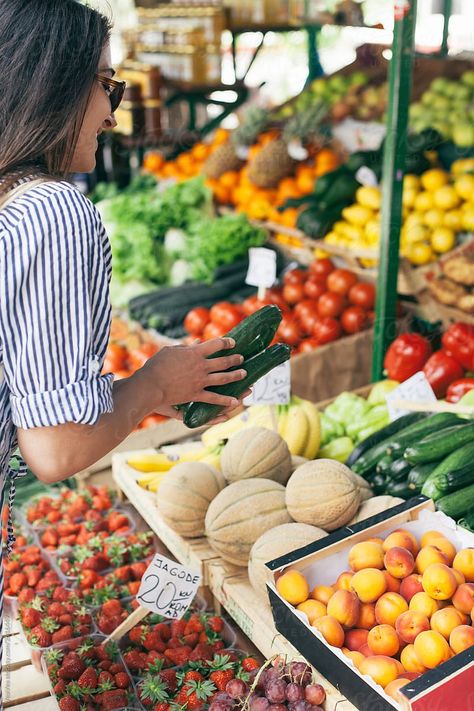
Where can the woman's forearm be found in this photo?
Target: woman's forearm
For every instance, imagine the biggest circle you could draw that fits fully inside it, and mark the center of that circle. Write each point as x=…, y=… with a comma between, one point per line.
x=56, y=453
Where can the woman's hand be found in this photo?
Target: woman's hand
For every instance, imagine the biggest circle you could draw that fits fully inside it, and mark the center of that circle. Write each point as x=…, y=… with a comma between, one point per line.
x=181, y=373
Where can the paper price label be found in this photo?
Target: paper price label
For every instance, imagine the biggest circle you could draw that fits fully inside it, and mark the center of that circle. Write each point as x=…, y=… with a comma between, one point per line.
x=262, y=267
x=415, y=388
x=366, y=176
x=273, y=389
x=168, y=588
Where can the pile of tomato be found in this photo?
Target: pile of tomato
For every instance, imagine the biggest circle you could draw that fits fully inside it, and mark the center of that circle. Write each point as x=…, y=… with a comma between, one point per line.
x=319, y=304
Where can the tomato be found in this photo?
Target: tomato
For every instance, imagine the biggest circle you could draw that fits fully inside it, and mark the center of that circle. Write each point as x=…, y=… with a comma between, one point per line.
x=139, y=356
x=121, y=374
x=253, y=303
x=226, y=315
x=308, y=322
x=314, y=287
x=341, y=280
x=330, y=304
x=321, y=267
x=292, y=293
x=304, y=307
x=151, y=421
x=308, y=344
x=295, y=276
x=363, y=294
x=196, y=320
x=275, y=296
x=288, y=331
x=326, y=330
x=115, y=357
x=353, y=319
x=213, y=330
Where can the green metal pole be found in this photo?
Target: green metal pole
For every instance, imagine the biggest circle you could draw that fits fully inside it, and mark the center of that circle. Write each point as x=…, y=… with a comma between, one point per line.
x=448, y=4
x=400, y=74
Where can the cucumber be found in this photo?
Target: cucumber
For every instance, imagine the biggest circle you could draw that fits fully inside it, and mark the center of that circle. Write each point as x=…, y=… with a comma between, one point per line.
x=382, y=434
x=439, y=444
x=452, y=473
x=197, y=414
x=419, y=474
x=399, y=470
x=457, y=504
x=384, y=464
x=254, y=333
x=417, y=431
x=399, y=488
x=378, y=482
x=468, y=521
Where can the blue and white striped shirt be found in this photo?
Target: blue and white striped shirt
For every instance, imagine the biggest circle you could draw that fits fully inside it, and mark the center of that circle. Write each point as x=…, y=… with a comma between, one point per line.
x=55, y=262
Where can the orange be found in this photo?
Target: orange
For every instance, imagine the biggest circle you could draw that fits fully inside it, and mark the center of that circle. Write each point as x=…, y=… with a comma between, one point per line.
x=220, y=136
x=288, y=217
x=200, y=151
x=293, y=587
x=229, y=179
x=153, y=161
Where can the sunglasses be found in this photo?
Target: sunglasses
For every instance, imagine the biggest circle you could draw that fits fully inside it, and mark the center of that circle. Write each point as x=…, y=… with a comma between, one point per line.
x=116, y=90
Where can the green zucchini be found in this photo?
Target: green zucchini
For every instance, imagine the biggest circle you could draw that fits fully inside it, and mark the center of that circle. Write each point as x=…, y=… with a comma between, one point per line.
x=384, y=464
x=399, y=470
x=417, y=431
x=468, y=521
x=439, y=444
x=199, y=413
x=419, y=474
x=254, y=333
x=455, y=471
x=382, y=434
x=458, y=503
x=378, y=482
x=399, y=488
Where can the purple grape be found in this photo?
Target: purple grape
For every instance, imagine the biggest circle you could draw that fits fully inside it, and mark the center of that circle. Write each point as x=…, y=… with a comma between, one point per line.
x=259, y=703
x=275, y=691
x=236, y=688
x=315, y=694
x=271, y=673
x=299, y=706
x=301, y=673
x=294, y=692
x=277, y=707
x=221, y=705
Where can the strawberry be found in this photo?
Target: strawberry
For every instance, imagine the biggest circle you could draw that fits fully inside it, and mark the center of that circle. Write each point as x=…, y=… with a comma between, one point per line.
x=152, y=690
x=72, y=667
x=108, y=624
x=133, y=587
x=201, y=652
x=194, y=624
x=193, y=675
x=56, y=609
x=60, y=687
x=180, y=656
x=221, y=677
x=197, y=693
x=123, y=573
x=114, y=699
x=117, y=520
x=88, y=679
x=115, y=667
x=33, y=575
x=177, y=628
x=68, y=703
x=216, y=624
x=164, y=631
x=191, y=639
x=30, y=617
x=138, y=570
x=137, y=633
x=49, y=538
x=65, y=619
x=39, y=637
x=87, y=578
x=63, y=634
x=122, y=680
x=111, y=608
x=105, y=664
x=96, y=562
x=133, y=660
x=17, y=582
x=60, y=594
x=104, y=676
x=152, y=640
x=249, y=664
x=26, y=595
x=169, y=677
x=162, y=706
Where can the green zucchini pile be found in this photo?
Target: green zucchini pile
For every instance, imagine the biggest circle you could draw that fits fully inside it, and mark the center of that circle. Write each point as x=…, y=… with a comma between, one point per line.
x=421, y=453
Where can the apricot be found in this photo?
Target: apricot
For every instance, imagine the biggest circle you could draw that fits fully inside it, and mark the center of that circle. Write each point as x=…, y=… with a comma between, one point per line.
x=422, y=602
x=410, y=661
x=464, y=562
x=431, y=648
x=410, y=624
x=369, y=584
x=375, y=539
x=439, y=581
x=393, y=584
x=293, y=587
x=366, y=619
x=344, y=607
x=463, y=598
x=461, y=638
x=381, y=668
x=460, y=579
x=366, y=554
x=394, y=687
x=365, y=650
x=356, y=657
x=344, y=581
x=389, y=607
x=399, y=562
x=330, y=629
x=410, y=586
x=410, y=676
x=403, y=539
x=383, y=639
x=427, y=556
x=445, y=620
x=354, y=639
x=312, y=609
x=322, y=593
x=445, y=546
x=472, y=616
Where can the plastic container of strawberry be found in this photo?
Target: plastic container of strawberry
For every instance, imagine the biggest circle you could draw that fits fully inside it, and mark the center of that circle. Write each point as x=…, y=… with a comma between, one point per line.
x=50, y=668
x=11, y=601
x=25, y=634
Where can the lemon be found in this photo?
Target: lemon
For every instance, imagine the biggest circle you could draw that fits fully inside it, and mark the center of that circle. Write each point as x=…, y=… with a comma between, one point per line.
x=411, y=182
x=354, y=232
x=420, y=253
x=464, y=186
x=424, y=201
x=409, y=196
x=368, y=196
x=462, y=165
x=335, y=239
x=372, y=231
x=414, y=218
x=433, y=217
x=417, y=233
x=357, y=214
x=443, y=239
x=320, y=253
x=434, y=178
x=339, y=227
x=468, y=219
x=453, y=219
x=446, y=198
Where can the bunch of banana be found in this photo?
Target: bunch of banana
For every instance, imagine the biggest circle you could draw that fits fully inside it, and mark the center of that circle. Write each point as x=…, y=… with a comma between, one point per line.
x=254, y=416
x=155, y=466
x=298, y=425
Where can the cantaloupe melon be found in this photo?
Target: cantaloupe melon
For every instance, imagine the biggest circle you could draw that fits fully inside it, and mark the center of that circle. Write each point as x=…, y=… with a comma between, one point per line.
x=364, y=486
x=256, y=453
x=239, y=515
x=274, y=543
x=322, y=493
x=185, y=494
x=374, y=506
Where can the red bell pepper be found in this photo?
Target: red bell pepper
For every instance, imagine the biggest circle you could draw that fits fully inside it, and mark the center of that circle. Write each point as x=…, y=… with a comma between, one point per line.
x=459, y=388
x=458, y=341
x=441, y=370
x=406, y=356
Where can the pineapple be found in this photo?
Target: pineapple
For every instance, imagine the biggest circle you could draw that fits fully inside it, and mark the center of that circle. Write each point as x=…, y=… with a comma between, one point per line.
x=271, y=164
x=255, y=122
x=304, y=126
x=223, y=159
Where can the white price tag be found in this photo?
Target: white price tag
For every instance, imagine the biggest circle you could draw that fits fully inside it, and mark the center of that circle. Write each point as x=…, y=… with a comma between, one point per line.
x=262, y=267
x=273, y=389
x=415, y=388
x=168, y=588
x=366, y=176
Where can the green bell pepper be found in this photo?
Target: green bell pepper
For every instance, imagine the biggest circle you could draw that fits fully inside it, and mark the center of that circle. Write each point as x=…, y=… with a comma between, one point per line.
x=339, y=449
x=374, y=420
x=347, y=408
x=380, y=390
x=330, y=429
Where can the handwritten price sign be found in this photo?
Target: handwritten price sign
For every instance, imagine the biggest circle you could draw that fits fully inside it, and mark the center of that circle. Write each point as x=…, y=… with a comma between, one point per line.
x=168, y=588
x=273, y=388
x=415, y=388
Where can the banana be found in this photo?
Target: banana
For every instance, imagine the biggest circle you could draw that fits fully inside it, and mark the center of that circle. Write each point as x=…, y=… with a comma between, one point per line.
x=152, y=483
x=195, y=455
x=214, y=460
x=150, y=462
x=296, y=430
x=314, y=436
x=255, y=416
x=282, y=420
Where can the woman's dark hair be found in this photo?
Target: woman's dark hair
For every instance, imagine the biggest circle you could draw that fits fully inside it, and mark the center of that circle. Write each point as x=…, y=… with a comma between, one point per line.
x=49, y=54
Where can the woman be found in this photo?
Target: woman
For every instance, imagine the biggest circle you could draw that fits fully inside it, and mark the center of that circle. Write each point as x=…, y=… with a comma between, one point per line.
x=57, y=97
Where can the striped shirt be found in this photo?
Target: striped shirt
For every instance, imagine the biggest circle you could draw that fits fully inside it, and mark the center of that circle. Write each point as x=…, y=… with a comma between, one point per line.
x=55, y=262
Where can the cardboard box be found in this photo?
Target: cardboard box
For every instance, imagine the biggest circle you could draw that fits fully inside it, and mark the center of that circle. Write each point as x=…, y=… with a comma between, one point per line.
x=449, y=686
